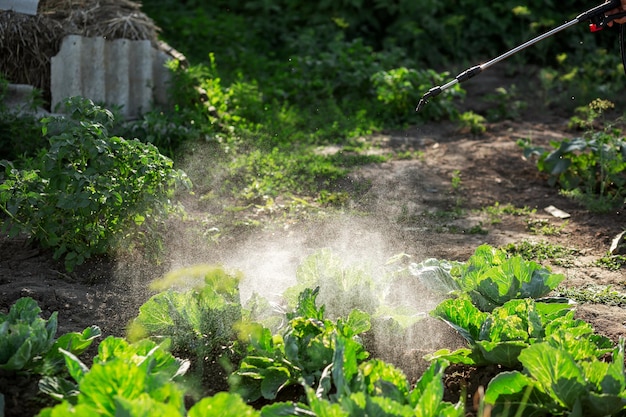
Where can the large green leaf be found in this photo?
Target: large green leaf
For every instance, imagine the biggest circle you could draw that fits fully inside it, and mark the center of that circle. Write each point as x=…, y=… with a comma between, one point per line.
x=19, y=357
x=427, y=396
x=306, y=306
x=513, y=390
x=463, y=355
x=75, y=367
x=24, y=310
x=387, y=407
x=599, y=405
x=224, y=405
x=556, y=371
x=492, y=278
x=323, y=408
x=358, y=322
x=506, y=384
x=384, y=379
x=25, y=336
x=462, y=315
x=515, y=320
x=73, y=342
x=144, y=406
x=289, y=409
x=274, y=379
x=541, y=282
x=435, y=275
x=503, y=353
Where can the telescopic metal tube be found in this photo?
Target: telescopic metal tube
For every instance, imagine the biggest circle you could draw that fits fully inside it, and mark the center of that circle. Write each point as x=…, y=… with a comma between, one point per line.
x=471, y=72
x=529, y=43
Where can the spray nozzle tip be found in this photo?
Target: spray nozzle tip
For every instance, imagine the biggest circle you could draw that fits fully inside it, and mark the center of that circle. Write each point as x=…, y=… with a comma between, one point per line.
x=420, y=105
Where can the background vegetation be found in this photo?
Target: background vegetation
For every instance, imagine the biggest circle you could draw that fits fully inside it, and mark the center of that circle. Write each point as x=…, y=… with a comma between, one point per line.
x=277, y=95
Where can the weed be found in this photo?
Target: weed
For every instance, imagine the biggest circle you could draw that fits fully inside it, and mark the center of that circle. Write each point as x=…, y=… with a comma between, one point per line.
x=507, y=105
x=541, y=251
x=594, y=294
x=586, y=117
x=455, y=229
x=400, y=88
x=545, y=227
x=337, y=199
x=410, y=155
x=496, y=211
x=456, y=180
x=450, y=214
x=473, y=122
x=612, y=262
x=477, y=230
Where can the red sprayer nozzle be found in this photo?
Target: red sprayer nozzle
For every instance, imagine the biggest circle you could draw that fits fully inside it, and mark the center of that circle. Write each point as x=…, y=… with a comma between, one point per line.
x=595, y=28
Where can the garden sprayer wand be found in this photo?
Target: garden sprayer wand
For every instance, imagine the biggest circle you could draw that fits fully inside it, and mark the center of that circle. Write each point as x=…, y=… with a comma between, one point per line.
x=597, y=16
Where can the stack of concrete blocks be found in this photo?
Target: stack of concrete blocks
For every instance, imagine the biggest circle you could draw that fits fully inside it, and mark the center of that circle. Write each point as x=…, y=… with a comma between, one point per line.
x=128, y=74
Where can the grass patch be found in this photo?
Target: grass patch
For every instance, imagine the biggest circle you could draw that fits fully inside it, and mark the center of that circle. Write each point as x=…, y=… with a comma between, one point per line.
x=594, y=294
x=542, y=251
x=545, y=227
x=496, y=211
x=612, y=262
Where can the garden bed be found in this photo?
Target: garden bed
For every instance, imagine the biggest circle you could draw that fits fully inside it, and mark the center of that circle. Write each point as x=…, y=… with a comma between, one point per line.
x=435, y=205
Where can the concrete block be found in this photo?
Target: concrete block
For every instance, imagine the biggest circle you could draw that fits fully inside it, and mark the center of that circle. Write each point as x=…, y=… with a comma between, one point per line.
x=20, y=6
x=18, y=99
x=122, y=72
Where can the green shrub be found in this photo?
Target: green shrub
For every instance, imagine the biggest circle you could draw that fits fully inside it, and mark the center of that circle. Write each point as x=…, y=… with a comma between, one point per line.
x=589, y=168
x=20, y=134
x=88, y=190
x=125, y=379
x=198, y=317
x=400, y=90
x=28, y=342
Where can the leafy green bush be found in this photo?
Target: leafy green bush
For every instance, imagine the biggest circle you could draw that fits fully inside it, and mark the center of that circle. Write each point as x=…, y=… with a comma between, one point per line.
x=499, y=337
x=341, y=288
x=199, y=321
x=473, y=122
x=400, y=89
x=20, y=134
x=125, y=379
x=28, y=343
x=377, y=388
x=24, y=335
x=301, y=354
x=491, y=277
x=88, y=190
x=562, y=384
x=591, y=168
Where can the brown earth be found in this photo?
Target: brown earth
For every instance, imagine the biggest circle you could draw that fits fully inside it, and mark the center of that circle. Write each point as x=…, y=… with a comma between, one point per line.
x=406, y=209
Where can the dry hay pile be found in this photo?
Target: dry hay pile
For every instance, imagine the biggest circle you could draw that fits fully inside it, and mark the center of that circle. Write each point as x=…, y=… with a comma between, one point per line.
x=110, y=19
x=26, y=45
x=28, y=42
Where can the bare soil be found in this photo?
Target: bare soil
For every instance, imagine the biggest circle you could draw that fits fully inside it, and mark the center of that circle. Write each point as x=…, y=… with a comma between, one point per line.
x=406, y=208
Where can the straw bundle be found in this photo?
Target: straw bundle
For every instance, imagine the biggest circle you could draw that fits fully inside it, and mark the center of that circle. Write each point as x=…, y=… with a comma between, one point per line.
x=28, y=42
x=111, y=19
x=26, y=45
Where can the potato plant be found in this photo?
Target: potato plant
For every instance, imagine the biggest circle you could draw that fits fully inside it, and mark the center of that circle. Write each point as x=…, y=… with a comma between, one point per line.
x=89, y=190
